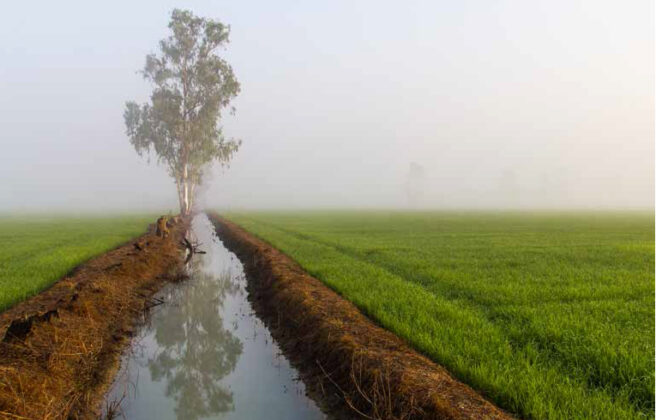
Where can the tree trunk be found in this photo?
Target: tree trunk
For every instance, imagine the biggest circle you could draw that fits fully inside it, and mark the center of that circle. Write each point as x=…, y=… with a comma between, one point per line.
x=192, y=196
x=185, y=190
x=179, y=189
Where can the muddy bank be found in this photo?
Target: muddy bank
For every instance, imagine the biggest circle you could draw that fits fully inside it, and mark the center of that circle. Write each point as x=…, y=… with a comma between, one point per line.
x=342, y=354
x=59, y=349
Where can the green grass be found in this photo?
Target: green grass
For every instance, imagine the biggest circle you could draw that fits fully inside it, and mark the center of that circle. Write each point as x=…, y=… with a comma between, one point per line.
x=35, y=251
x=550, y=315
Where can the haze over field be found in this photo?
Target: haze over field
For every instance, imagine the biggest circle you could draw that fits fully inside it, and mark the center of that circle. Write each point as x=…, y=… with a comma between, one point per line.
x=344, y=104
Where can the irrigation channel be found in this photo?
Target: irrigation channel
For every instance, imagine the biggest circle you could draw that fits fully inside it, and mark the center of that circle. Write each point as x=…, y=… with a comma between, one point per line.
x=203, y=353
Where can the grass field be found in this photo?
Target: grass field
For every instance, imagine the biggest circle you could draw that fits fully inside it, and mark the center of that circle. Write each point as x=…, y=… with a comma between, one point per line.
x=35, y=251
x=551, y=315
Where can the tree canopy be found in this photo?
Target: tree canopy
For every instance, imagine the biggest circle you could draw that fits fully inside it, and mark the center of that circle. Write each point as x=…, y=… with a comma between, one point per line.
x=193, y=85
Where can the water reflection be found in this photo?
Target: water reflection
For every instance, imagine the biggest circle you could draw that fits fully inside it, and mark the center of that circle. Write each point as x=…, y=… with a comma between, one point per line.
x=195, y=350
x=204, y=354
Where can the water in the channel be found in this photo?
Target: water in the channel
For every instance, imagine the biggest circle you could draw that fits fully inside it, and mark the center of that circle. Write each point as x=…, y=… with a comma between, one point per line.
x=204, y=354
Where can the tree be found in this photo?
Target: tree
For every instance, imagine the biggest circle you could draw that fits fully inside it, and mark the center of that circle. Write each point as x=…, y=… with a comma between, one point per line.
x=192, y=87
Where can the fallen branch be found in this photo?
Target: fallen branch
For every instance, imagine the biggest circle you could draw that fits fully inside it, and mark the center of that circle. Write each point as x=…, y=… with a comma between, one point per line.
x=191, y=247
x=152, y=303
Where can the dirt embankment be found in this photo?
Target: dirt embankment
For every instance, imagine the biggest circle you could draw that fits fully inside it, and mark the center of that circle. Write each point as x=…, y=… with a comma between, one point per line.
x=60, y=349
x=339, y=351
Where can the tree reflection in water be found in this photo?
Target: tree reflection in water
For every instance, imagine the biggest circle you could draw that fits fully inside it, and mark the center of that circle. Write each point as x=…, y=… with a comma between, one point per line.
x=197, y=351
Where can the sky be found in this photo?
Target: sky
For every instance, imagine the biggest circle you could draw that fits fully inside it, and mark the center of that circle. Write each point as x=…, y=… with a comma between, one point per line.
x=344, y=104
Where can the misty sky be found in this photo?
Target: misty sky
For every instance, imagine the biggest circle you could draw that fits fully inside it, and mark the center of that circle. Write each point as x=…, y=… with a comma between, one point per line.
x=445, y=104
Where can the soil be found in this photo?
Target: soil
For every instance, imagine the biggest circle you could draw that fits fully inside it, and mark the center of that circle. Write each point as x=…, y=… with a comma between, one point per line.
x=60, y=349
x=344, y=357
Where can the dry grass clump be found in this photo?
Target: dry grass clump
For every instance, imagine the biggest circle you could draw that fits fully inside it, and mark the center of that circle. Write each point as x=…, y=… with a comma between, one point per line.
x=59, y=349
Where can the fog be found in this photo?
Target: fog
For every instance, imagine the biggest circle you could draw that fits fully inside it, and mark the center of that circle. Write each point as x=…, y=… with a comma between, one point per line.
x=344, y=104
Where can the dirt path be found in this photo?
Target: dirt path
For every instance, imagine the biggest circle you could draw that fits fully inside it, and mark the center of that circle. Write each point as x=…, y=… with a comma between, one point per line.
x=59, y=349
x=342, y=353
